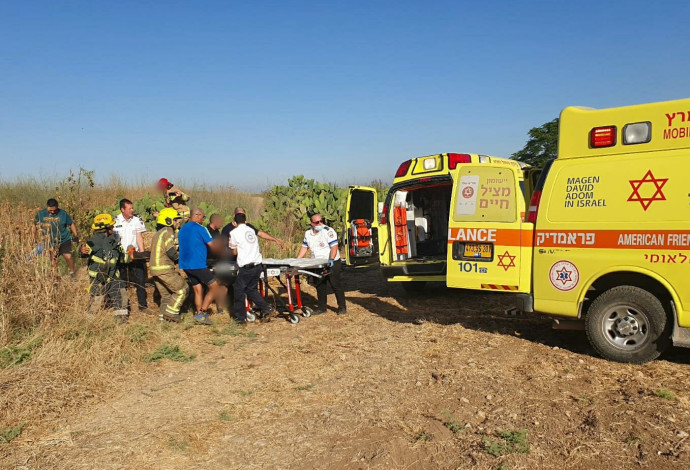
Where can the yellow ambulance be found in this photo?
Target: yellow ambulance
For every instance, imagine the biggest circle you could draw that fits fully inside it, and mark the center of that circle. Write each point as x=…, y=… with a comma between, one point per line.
x=409, y=238
x=606, y=237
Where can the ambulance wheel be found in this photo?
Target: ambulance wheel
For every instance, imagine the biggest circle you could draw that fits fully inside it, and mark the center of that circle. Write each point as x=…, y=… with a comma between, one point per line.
x=414, y=287
x=306, y=312
x=251, y=317
x=293, y=318
x=628, y=324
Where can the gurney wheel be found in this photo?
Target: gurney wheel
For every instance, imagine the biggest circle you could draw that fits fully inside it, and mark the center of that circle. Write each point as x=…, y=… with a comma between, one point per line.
x=251, y=317
x=306, y=312
x=293, y=318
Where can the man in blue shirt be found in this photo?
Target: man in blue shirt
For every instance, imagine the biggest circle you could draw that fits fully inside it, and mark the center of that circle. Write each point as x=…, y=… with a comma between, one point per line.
x=60, y=229
x=194, y=239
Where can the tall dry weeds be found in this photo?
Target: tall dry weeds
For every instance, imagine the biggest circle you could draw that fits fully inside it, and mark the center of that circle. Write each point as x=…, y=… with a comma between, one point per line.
x=54, y=356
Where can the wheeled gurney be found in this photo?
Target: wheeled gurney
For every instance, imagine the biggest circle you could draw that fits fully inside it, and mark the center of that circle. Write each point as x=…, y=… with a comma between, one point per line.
x=291, y=269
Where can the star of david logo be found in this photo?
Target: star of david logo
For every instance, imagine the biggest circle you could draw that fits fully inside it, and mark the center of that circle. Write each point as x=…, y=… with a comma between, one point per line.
x=648, y=179
x=564, y=275
x=502, y=260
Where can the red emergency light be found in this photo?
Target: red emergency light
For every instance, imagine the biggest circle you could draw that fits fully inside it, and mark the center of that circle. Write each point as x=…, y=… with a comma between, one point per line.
x=455, y=158
x=602, y=137
x=402, y=169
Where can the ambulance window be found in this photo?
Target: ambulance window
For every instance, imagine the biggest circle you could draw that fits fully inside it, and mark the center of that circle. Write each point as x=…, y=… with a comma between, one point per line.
x=361, y=205
x=542, y=175
x=486, y=195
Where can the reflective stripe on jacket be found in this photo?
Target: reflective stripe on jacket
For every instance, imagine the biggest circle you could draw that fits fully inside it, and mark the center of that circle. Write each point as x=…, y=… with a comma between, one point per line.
x=161, y=244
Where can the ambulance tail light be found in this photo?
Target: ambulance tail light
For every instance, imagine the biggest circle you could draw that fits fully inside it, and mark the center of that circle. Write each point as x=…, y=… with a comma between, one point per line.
x=455, y=158
x=534, y=206
x=384, y=214
x=402, y=169
x=602, y=137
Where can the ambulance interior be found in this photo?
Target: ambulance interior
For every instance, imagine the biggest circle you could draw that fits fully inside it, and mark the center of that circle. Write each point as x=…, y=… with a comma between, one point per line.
x=420, y=222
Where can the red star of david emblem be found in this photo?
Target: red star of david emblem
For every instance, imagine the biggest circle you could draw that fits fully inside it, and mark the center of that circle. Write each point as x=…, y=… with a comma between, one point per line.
x=564, y=275
x=502, y=261
x=658, y=194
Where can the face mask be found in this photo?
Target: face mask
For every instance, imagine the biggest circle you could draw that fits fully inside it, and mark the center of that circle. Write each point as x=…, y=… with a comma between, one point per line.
x=318, y=228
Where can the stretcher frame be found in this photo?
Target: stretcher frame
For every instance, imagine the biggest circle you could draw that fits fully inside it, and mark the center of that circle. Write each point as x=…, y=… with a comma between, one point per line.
x=292, y=269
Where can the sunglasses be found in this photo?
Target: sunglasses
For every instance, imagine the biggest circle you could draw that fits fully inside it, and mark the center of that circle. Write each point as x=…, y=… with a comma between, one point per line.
x=316, y=222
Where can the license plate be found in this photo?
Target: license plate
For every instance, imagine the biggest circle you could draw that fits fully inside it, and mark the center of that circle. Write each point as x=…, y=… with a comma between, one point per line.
x=479, y=250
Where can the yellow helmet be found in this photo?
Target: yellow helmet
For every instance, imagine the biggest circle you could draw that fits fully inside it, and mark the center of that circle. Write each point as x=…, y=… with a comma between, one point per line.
x=102, y=221
x=166, y=216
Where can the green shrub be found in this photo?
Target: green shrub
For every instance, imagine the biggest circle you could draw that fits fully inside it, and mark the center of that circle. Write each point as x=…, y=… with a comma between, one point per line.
x=169, y=351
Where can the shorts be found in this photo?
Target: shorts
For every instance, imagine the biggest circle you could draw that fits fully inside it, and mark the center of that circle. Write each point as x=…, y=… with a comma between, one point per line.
x=200, y=276
x=64, y=249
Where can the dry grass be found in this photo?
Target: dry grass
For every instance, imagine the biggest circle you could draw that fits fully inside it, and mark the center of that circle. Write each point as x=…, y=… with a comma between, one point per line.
x=53, y=355
x=56, y=354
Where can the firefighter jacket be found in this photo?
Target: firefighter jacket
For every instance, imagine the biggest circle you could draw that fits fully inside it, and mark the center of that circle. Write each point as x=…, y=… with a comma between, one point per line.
x=164, y=251
x=177, y=202
x=105, y=257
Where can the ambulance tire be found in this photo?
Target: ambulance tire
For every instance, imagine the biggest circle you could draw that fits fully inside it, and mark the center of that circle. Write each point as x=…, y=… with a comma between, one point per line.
x=413, y=287
x=628, y=324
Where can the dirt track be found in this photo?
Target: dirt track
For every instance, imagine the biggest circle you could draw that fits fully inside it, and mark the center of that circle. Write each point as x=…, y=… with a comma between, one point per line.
x=400, y=382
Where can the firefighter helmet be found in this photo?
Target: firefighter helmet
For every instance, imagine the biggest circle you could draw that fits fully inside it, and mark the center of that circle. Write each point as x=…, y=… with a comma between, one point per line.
x=164, y=184
x=102, y=221
x=166, y=216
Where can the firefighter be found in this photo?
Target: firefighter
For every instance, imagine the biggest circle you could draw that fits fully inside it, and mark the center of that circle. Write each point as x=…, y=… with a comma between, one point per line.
x=164, y=253
x=174, y=198
x=105, y=258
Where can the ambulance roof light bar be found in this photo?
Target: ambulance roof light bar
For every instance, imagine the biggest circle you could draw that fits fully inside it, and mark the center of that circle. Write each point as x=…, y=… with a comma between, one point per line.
x=637, y=133
x=604, y=136
x=430, y=163
x=402, y=169
x=455, y=158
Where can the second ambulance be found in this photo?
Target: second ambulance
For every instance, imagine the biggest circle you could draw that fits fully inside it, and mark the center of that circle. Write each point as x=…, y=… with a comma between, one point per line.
x=606, y=237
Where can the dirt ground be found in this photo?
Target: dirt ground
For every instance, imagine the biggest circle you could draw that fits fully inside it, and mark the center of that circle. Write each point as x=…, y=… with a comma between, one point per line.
x=445, y=379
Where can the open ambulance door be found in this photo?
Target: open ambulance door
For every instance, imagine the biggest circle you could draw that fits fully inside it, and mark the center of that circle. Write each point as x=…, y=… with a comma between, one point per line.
x=489, y=244
x=361, y=227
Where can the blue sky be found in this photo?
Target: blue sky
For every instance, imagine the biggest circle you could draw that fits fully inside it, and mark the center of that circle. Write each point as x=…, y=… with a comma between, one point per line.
x=251, y=93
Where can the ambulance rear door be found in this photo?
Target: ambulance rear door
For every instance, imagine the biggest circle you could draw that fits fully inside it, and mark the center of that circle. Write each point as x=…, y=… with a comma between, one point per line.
x=490, y=245
x=362, y=227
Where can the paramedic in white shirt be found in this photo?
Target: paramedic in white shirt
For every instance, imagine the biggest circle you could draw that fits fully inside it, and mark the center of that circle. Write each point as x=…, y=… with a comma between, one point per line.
x=245, y=245
x=322, y=241
x=128, y=229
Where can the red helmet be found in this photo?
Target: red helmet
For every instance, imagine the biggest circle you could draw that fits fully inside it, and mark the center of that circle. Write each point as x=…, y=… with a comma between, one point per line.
x=164, y=184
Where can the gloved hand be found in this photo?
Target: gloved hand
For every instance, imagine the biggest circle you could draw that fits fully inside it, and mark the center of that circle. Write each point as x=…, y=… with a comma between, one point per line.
x=75, y=240
x=330, y=263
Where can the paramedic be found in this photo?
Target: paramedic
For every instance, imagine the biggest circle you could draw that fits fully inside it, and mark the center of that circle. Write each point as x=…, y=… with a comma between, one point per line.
x=245, y=245
x=322, y=241
x=225, y=233
x=128, y=232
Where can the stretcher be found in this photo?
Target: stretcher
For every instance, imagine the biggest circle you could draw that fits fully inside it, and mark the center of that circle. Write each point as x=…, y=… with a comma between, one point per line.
x=289, y=268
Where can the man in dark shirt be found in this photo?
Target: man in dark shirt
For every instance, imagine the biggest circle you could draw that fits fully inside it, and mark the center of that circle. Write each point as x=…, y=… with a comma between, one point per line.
x=225, y=233
x=61, y=231
x=215, y=222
